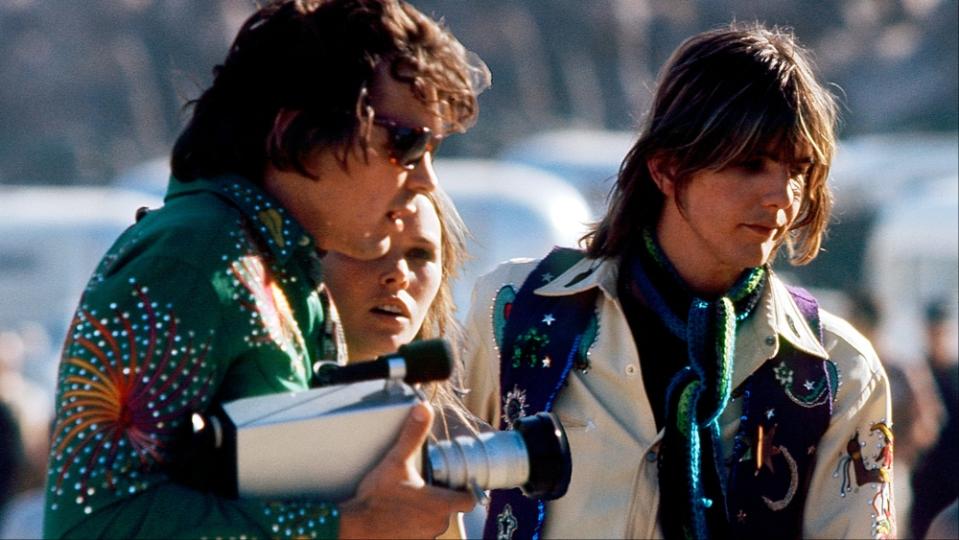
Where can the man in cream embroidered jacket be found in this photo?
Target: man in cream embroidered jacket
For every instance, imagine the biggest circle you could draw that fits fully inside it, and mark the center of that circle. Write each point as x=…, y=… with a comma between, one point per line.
x=702, y=399
x=614, y=489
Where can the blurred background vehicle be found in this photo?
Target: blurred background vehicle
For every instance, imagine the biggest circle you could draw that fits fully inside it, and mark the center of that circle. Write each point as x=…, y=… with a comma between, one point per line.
x=511, y=211
x=586, y=158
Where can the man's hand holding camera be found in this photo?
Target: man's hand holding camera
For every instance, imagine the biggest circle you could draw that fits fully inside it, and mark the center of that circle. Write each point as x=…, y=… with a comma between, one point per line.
x=394, y=499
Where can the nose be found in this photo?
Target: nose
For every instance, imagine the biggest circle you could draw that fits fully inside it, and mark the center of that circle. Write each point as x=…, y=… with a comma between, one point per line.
x=396, y=276
x=778, y=188
x=422, y=179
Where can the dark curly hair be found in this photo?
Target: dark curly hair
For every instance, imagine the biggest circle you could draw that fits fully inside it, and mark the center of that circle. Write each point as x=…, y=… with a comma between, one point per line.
x=316, y=58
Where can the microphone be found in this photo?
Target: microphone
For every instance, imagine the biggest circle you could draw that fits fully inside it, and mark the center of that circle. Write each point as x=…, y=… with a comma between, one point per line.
x=419, y=361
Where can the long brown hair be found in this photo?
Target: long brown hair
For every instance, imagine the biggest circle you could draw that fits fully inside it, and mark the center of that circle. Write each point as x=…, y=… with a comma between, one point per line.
x=315, y=58
x=440, y=320
x=723, y=96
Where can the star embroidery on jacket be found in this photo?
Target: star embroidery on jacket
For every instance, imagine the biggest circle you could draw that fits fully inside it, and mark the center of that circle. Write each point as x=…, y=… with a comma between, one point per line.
x=549, y=319
x=547, y=361
x=808, y=385
x=770, y=413
x=547, y=277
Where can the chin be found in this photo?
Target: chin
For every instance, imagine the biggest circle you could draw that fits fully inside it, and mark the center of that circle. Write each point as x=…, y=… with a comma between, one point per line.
x=378, y=346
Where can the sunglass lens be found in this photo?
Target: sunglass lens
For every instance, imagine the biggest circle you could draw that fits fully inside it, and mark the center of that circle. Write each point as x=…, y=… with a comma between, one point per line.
x=409, y=145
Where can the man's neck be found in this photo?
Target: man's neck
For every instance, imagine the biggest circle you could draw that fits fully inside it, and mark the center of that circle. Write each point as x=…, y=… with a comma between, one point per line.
x=694, y=264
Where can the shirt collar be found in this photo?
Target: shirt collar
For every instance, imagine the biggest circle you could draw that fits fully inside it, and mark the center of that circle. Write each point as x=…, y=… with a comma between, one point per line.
x=776, y=317
x=278, y=229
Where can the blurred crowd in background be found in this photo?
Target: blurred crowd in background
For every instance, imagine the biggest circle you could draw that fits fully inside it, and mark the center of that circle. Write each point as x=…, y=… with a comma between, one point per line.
x=91, y=90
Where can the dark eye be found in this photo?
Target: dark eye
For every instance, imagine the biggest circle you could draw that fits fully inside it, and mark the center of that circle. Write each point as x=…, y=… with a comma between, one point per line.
x=800, y=169
x=753, y=164
x=422, y=254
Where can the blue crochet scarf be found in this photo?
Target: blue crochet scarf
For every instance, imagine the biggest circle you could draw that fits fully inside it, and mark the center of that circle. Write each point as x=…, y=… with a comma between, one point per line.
x=692, y=482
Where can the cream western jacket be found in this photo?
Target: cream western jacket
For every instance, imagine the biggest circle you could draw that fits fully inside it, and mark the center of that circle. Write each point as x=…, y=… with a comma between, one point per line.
x=614, y=490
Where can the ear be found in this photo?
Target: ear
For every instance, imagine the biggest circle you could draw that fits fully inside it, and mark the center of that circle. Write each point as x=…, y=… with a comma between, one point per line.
x=661, y=171
x=281, y=122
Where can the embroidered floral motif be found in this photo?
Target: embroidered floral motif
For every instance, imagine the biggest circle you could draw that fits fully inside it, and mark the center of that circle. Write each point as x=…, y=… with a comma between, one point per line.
x=783, y=374
x=514, y=405
x=126, y=381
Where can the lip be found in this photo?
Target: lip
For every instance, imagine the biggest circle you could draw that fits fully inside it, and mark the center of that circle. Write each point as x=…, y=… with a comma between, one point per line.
x=395, y=302
x=765, y=231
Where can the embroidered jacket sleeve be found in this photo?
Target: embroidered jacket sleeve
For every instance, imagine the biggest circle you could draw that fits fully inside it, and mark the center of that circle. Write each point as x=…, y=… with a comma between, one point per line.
x=163, y=331
x=851, y=487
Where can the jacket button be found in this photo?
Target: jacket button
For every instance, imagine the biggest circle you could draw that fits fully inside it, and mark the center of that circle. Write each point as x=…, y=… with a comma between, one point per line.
x=770, y=340
x=651, y=456
x=631, y=369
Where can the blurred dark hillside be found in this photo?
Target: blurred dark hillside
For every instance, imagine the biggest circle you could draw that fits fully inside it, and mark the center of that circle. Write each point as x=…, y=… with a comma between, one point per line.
x=88, y=88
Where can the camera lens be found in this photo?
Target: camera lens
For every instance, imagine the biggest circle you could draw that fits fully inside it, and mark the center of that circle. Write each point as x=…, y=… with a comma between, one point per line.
x=534, y=456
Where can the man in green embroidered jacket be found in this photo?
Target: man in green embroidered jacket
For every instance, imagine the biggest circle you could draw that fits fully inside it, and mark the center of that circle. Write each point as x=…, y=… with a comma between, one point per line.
x=317, y=132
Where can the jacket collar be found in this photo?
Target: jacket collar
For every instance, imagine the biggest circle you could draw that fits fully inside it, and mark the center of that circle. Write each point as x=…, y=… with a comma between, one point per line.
x=777, y=316
x=273, y=223
x=582, y=276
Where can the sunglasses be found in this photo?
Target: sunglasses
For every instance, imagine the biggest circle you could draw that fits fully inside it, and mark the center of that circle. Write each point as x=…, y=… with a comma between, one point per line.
x=407, y=145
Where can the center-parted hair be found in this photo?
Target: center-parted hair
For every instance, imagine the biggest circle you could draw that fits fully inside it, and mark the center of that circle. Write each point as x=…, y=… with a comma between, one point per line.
x=440, y=320
x=316, y=58
x=724, y=96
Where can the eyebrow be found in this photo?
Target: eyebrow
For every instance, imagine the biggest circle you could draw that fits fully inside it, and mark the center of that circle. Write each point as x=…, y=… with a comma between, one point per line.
x=802, y=160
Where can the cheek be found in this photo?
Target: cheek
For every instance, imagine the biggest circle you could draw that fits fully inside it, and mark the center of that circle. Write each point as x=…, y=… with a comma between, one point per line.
x=347, y=292
x=427, y=285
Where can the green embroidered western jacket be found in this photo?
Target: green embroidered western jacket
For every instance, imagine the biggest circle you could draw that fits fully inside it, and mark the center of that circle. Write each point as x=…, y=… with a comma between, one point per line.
x=213, y=297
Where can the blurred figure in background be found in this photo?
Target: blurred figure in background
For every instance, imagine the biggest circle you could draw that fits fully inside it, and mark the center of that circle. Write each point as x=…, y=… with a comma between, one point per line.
x=30, y=403
x=946, y=524
x=11, y=455
x=935, y=481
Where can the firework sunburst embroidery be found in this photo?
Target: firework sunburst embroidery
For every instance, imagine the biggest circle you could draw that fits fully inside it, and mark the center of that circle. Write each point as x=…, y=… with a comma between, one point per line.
x=127, y=384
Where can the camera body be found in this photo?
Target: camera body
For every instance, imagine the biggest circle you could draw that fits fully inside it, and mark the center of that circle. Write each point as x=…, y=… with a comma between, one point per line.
x=322, y=442
x=318, y=442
